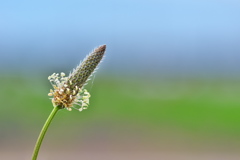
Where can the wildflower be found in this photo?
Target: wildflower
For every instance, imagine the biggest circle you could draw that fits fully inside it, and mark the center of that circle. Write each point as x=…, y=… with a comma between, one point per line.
x=68, y=91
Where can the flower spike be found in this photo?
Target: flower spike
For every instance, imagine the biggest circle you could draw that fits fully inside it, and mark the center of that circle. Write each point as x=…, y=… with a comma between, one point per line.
x=69, y=91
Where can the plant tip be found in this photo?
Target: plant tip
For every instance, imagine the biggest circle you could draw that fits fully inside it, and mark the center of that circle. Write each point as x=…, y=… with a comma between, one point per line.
x=69, y=91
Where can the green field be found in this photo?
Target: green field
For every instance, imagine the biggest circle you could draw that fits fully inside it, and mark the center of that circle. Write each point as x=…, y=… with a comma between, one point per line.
x=150, y=110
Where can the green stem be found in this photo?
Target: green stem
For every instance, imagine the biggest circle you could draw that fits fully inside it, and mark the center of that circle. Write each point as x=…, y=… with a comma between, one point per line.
x=43, y=132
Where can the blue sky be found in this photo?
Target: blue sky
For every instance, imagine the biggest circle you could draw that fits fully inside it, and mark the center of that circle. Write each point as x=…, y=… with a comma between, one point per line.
x=182, y=36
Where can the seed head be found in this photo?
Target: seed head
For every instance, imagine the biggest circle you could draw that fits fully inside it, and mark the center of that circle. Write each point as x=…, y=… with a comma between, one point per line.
x=68, y=91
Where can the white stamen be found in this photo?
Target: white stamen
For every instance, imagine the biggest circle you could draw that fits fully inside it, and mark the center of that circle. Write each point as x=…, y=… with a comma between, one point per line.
x=68, y=90
x=69, y=109
x=85, y=97
x=86, y=101
x=84, y=104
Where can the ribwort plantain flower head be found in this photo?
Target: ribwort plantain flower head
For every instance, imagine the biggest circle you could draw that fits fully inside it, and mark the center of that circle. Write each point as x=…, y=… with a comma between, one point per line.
x=68, y=92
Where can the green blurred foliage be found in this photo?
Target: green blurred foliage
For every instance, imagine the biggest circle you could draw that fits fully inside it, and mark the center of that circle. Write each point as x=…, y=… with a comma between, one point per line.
x=144, y=108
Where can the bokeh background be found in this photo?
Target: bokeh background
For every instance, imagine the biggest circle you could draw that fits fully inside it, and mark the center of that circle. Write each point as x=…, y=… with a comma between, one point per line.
x=168, y=87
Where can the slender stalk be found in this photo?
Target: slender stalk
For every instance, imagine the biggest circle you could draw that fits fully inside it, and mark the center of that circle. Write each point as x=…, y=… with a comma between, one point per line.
x=43, y=132
x=69, y=91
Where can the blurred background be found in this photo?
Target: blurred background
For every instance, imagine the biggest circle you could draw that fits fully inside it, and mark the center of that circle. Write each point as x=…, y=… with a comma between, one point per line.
x=168, y=87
